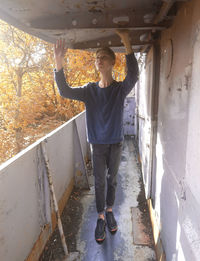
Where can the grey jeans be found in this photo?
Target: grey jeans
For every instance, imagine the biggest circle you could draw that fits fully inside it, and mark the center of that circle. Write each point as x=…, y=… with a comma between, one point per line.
x=106, y=160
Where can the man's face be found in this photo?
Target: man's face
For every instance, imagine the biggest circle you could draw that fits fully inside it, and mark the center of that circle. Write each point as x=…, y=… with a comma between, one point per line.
x=104, y=62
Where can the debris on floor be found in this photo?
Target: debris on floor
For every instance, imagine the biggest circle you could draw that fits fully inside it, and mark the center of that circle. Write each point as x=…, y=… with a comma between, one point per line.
x=133, y=240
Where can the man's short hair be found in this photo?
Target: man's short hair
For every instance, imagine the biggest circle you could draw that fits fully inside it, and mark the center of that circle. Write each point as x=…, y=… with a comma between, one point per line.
x=107, y=50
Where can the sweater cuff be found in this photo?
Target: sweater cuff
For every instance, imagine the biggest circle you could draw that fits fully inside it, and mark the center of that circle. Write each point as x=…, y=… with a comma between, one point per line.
x=57, y=72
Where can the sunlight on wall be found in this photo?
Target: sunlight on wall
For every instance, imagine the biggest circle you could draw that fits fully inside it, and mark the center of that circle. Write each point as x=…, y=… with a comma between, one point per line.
x=178, y=235
x=179, y=255
x=160, y=173
x=142, y=91
x=193, y=148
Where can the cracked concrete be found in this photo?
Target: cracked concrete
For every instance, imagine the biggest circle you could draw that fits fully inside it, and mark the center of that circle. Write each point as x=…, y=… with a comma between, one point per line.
x=121, y=246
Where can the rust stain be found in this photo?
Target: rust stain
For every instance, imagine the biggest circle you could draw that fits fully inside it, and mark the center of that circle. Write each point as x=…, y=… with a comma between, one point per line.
x=46, y=231
x=160, y=253
x=86, y=158
x=141, y=233
x=2, y=240
x=40, y=244
x=95, y=9
x=79, y=173
x=139, y=159
x=122, y=23
x=78, y=6
x=66, y=195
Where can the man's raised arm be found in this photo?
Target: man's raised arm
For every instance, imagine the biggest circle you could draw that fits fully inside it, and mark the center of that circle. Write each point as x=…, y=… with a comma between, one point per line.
x=124, y=35
x=131, y=62
x=65, y=90
x=59, y=54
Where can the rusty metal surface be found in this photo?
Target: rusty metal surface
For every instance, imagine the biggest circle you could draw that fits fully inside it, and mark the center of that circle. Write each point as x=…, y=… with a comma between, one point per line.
x=86, y=23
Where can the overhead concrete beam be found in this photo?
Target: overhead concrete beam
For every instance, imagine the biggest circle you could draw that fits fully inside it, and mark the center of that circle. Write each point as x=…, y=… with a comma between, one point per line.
x=109, y=41
x=167, y=4
x=163, y=11
x=85, y=20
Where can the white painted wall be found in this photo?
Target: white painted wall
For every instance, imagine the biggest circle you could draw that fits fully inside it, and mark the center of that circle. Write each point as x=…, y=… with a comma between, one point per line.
x=144, y=100
x=21, y=219
x=177, y=160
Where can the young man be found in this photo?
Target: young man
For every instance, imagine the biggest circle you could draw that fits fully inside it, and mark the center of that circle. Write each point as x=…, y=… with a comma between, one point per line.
x=104, y=101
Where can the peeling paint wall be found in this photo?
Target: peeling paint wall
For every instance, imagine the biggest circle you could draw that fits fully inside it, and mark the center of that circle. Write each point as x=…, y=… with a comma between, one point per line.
x=176, y=193
x=145, y=124
x=129, y=116
x=24, y=202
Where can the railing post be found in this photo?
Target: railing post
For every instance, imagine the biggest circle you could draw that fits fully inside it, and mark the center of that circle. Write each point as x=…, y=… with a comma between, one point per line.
x=81, y=177
x=53, y=196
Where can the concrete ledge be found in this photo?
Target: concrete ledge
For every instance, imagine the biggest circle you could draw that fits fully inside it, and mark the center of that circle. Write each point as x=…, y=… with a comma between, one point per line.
x=25, y=199
x=46, y=233
x=160, y=253
x=141, y=233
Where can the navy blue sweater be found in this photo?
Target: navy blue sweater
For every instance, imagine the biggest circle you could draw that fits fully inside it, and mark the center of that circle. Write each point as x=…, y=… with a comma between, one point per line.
x=104, y=106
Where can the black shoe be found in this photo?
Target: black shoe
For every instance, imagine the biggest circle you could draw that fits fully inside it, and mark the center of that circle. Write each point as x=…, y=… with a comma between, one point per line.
x=111, y=222
x=100, y=233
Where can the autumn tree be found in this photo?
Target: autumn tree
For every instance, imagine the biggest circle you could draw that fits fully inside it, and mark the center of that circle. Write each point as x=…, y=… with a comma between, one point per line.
x=18, y=55
x=30, y=105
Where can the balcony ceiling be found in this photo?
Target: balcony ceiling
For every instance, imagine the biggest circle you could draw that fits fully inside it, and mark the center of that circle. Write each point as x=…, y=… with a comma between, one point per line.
x=89, y=24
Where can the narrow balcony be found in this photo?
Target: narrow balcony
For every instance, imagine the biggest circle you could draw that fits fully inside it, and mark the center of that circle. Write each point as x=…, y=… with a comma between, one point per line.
x=26, y=205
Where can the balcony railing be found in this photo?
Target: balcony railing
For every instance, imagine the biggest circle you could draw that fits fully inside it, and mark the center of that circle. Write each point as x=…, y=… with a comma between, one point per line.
x=26, y=219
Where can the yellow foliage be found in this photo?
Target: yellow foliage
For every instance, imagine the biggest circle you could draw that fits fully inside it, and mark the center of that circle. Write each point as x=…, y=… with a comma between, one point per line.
x=30, y=105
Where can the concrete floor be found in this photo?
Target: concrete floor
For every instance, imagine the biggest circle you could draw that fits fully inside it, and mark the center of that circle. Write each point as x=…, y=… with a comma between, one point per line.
x=133, y=240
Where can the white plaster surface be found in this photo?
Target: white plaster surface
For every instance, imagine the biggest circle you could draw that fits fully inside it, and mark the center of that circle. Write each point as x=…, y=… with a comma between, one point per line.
x=193, y=141
x=176, y=193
